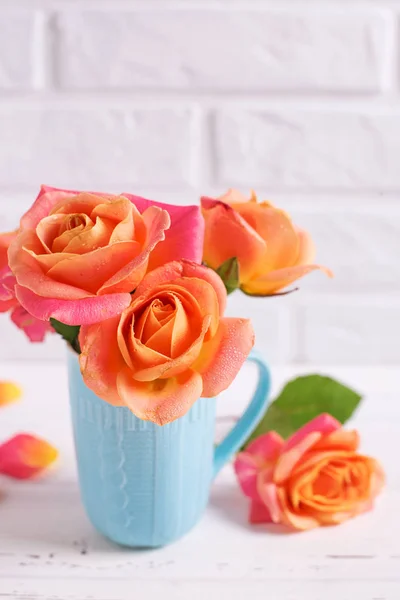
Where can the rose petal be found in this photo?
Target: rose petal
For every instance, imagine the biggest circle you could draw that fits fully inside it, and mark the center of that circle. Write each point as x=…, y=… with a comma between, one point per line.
x=339, y=440
x=117, y=210
x=160, y=401
x=7, y=285
x=25, y=456
x=233, y=196
x=222, y=357
x=33, y=328
x=184, y=239
x=191, y=269
x=6, y=305
x=129, y=276
x=323, y=423
x=307, y=251
x=246, y=468
x=267, y=492
x=319, y=458
x=48, y=231
x=84, y=311
x=101, y=359
x=377, y=481
x=81, y=202
x=91, y=238
x=9, y=392
x=171, y=271
x=29, y=271
x=259, y=513
x=169, y=367
x=290, y=518
x=267, y=447
x=291, y=457
x=164, y=274
x=276, y=228
x=47, y=199
x=228, y=235
x=5, y=240
x=95, y=271
x=272, y=282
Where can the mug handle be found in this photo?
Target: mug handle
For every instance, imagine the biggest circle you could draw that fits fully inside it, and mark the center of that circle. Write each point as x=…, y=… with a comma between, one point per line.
x=251, y=417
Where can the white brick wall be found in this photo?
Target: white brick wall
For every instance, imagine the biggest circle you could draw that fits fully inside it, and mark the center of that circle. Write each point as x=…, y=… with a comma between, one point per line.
x=299, y=99
x=20, y=42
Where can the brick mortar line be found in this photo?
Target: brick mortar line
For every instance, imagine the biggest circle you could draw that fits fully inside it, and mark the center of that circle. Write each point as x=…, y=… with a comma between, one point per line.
x=390, y=74
x=278, y=6
x=52, y=98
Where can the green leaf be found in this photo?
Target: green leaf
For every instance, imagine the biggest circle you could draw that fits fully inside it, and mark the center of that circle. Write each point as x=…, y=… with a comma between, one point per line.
x=69, y=333
x=229, y=273
x=304, y=398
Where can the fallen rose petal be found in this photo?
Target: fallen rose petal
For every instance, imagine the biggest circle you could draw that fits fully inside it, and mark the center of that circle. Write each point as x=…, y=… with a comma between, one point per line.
x=9, y=392
x=24, y=456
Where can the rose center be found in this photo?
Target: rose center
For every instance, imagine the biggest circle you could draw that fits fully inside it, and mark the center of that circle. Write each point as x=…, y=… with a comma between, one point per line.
x=73, y=221
x=162, y=310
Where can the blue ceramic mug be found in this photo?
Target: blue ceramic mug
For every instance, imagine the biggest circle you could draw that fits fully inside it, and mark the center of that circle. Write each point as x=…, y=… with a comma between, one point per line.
x=144, y=485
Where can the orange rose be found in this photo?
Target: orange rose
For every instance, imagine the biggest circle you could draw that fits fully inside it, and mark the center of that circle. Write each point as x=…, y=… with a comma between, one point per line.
x=77, y=256
x=271, y=251
x=314, y=478
x=169, y=347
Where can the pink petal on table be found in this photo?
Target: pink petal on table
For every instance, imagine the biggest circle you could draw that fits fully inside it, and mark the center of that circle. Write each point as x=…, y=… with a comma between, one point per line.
x=9, y=392
x=24, y=456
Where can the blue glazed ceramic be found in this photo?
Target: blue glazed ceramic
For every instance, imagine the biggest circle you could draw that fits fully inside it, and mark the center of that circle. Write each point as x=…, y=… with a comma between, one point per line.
x=144, y=485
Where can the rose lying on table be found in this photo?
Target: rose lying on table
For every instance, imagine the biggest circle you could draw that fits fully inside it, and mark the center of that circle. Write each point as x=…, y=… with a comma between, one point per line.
x=24, y=455
x=314, y=478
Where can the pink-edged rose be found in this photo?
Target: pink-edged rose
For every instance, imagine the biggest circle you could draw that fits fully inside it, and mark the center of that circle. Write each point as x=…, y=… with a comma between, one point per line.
x=79, y=255
x=314, y=478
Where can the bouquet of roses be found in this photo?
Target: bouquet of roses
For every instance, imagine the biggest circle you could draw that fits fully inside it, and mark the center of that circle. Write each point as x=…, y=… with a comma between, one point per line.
x=122, y=279
x=139, y=288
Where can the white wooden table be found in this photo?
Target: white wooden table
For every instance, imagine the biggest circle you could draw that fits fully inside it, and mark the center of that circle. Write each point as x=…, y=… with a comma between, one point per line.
x=49, y=550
